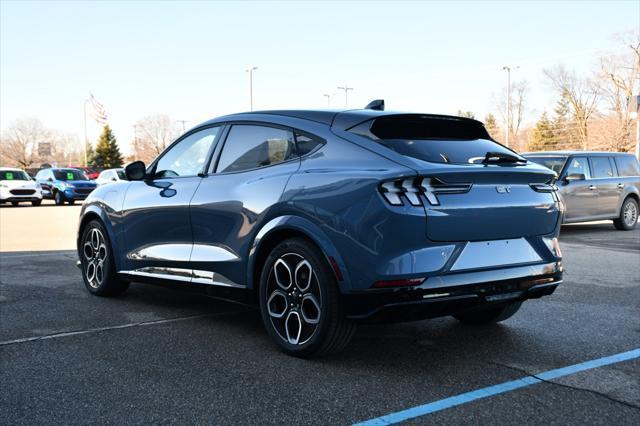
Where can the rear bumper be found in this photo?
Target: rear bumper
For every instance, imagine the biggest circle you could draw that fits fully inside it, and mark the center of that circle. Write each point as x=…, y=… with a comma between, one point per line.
x=454, y=293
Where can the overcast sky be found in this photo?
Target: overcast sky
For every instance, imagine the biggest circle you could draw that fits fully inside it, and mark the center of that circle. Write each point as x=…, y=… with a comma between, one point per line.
x=188, y=59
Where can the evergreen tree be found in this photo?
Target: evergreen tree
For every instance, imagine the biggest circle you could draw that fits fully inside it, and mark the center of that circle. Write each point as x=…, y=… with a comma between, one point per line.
x=564, y=126
x=543, y=137
x=491, y=124
x=107, y=153
x=466, y=114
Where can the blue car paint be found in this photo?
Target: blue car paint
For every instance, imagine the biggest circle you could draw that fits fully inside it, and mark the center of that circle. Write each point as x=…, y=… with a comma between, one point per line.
x=49, y=187
x=331, y=196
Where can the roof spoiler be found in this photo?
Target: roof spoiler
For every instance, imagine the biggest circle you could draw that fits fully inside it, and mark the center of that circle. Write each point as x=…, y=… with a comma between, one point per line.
x=377, y=105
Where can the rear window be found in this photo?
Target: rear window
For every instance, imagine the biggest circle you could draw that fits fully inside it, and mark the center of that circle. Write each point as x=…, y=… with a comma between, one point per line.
x=554, y=163
x=433, y=139
x=627, y=166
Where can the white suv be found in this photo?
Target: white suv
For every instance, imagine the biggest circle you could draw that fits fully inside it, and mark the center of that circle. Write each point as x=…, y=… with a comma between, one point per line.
x=16, y=186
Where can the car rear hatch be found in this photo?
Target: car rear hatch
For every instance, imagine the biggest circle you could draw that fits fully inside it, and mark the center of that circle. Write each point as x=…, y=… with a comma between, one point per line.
x=472, y=188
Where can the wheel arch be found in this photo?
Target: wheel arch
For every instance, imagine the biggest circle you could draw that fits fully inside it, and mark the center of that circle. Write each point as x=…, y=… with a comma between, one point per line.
x=290, y=226
x=93, y=212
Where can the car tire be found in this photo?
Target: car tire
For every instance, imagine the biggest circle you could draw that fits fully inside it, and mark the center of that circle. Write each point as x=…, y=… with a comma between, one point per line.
x=72, y=202
x=15, y=203
x=98, y=266
x=58, y=198
x=36, y=203
x=300, y=301
x=628, y=215
x=490, y=315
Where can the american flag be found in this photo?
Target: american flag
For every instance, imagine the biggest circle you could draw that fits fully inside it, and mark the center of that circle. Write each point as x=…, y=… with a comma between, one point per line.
x=98, y=112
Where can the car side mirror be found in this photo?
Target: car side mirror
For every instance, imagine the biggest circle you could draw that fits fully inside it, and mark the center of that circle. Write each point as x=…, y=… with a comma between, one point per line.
x=574, y=176
x=135, y=171
x=114, y=179
x=50, y=180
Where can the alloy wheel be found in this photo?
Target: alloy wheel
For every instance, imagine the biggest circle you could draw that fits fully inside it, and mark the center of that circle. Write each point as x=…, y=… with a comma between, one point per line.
x=630, y=214
x=95, y=255
x=294, y=301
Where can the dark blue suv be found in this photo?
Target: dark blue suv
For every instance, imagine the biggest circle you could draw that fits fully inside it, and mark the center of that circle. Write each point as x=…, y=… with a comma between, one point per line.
x=64, y=185
x=325, y=219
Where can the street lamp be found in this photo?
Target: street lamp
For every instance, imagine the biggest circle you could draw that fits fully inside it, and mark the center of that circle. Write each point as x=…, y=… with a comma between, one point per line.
x=328, y=100
x=250, y=70
x=508, y=130
x=346, y=94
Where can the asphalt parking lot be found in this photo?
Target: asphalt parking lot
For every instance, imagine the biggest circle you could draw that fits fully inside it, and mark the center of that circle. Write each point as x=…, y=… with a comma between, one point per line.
x=161, y=356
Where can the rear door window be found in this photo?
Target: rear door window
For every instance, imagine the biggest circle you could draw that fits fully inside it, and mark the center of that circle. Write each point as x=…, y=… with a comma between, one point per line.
x=250, y=147
x=627, y=166
x=433, y=138
x=579, y=166
x=601, y=167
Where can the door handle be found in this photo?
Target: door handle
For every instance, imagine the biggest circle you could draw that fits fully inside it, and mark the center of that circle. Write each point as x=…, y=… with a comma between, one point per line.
x=592, y=187
x=620, y=186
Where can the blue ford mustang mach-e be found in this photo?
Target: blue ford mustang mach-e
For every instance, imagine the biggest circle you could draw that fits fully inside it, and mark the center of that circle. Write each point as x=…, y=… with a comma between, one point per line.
x=329, y=218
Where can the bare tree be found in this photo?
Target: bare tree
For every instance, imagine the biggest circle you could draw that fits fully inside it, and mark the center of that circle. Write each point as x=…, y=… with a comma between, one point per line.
x=519, y=92
x=21, y=140
x=152, y=135
x=617, y=76
x=582, y=95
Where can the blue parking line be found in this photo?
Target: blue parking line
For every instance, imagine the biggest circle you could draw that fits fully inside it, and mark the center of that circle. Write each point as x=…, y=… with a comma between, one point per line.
x=463, y=398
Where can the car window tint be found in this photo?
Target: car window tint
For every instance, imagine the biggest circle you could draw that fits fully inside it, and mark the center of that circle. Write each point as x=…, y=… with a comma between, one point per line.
x=69, y=174
x=627, y=166
x=121, y=174
x=578, y=165
x=601, y=167
x=187, y=157
x=13, y=175
x=306, y=143
x=249, y=147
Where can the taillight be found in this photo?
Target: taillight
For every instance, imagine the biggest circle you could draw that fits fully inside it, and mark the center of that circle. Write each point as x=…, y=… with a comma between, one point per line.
x=543, y=187
x=398, y=283
x=413, y=190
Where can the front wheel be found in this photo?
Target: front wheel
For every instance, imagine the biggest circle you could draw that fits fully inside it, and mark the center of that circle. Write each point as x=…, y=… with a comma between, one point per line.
x=300, y=302
x=96, y=258
x=14, y=203
x=628, y=215
x=72, y=202
x=491, y=315
x=36, y=203
x=58, y=198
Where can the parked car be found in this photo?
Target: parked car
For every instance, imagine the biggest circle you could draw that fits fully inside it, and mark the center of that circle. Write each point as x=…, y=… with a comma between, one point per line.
x=596, y=185
x=91, y=173
x=17, y=187
x=326, y=219
x=110, y=175
x=65, y=184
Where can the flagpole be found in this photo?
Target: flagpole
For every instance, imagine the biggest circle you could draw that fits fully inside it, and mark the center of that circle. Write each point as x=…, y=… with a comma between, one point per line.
x=86, y=140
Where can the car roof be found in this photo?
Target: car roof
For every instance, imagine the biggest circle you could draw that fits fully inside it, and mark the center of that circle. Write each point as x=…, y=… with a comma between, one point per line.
x=340, y=118
x=574, y=152
x=11, y=169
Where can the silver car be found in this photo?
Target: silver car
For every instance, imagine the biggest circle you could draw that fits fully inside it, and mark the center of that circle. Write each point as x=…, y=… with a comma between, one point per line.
x=595, y=185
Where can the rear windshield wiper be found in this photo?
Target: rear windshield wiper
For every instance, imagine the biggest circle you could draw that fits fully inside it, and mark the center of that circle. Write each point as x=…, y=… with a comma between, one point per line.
x=501, y=158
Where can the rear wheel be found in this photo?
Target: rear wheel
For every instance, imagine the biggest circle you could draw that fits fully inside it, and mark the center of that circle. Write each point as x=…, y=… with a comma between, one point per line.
x=72, y=202
x=14, y=203
x=58, y=198
x=491, y=315
x=628, y=215
x=96, y=258
x=300, y=302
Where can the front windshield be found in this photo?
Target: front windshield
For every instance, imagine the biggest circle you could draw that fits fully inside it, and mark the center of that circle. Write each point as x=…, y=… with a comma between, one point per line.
x=554, y=163
x=69, y=174
x=13, y=175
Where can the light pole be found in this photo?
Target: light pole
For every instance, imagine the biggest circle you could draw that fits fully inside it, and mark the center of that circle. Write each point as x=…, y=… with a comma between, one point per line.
x=346, y=94
x=508, y=130
x=250, y=71
x=86, y=140
x=328, y=100
x=183, y=123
